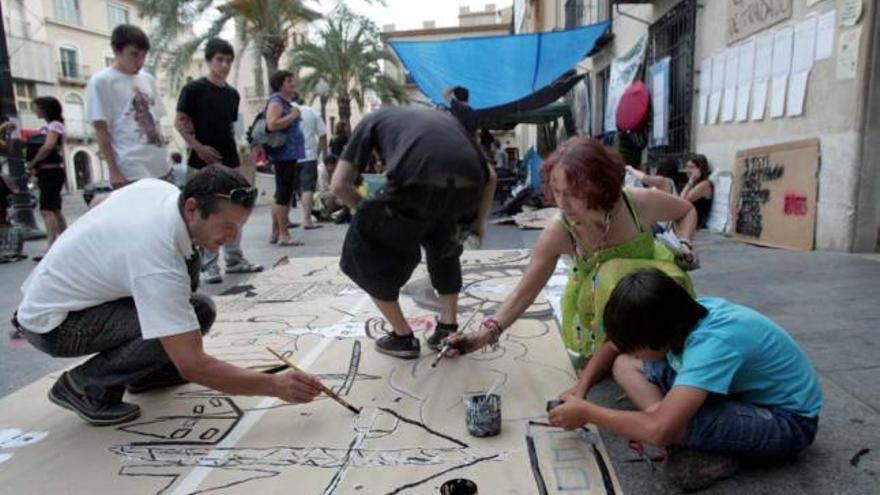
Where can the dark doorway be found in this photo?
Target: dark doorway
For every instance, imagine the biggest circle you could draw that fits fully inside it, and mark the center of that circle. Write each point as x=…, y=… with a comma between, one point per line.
x=82, y=169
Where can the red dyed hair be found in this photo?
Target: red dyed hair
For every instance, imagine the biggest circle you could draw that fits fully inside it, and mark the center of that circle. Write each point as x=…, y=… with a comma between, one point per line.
x=594, y=171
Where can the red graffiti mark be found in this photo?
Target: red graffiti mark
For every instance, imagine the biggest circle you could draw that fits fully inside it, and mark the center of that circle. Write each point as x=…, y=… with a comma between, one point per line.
x=795, y=204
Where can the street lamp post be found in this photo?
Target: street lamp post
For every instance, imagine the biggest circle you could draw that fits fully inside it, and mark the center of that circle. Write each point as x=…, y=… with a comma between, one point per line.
x=22, y=209
x=322, y=89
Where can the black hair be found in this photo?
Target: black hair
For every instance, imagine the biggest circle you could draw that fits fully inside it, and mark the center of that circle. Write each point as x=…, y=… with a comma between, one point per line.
x=50, y=107
x=176, y=157
x=210, y=181
x=461, y=93
x=331, y=159
x=277, y=79
x=650, y=310
x=125, y=34
x=667, y=167
x=218, y=46
x=703, y=164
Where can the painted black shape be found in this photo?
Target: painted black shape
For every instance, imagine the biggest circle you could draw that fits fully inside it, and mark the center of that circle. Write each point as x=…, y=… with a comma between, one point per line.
x=423, y=426
x=353, y=366
x=247, y=290
x=854, y=462
x=441, y=473
x=337, y=476
x=536, y=468
x=606, y=474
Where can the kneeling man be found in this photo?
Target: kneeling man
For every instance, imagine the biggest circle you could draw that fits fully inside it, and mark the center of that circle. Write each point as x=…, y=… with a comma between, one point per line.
x=120, y=284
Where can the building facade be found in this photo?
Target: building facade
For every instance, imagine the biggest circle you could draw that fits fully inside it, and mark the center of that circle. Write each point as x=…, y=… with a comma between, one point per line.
x=54, y=47
x=839, y=109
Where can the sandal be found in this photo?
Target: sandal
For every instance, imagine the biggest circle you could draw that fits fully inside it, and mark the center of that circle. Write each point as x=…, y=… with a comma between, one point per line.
x=289, y=242
x=312, y=227
x=273, y=239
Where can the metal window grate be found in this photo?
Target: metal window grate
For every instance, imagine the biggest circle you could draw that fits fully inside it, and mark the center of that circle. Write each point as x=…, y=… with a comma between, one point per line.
x=673, y=36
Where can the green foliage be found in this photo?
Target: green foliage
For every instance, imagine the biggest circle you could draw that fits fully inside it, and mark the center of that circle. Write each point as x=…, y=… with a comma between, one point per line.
x=347, y=53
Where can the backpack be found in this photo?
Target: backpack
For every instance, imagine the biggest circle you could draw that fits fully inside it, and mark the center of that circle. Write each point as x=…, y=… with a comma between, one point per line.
x=258, y=133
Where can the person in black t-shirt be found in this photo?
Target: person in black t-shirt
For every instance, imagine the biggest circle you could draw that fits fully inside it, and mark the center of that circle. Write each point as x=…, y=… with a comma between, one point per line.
x=458, y=97
x=439, y=189
x=207, y=109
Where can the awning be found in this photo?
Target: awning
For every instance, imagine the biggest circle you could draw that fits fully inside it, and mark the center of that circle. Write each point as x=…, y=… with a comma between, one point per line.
x=504, y=74
x=543, y=115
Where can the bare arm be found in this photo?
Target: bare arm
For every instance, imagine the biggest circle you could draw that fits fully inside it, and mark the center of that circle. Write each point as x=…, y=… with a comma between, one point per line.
x=665, y=425
x=597, y=367
x=694, y=192
x=275, y=121
x=547, y=250
x=188, y=355
x=658, y=206
x=342, y=184
x=184, y=125
x=105, y=144
x=51, y=141
x=322, y=145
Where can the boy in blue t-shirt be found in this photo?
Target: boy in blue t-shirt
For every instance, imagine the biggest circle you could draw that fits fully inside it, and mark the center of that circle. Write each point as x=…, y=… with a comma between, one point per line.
x=707, y=375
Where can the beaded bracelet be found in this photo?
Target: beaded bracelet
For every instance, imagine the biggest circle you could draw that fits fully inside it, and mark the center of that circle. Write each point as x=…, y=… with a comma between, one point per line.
x=495, y=328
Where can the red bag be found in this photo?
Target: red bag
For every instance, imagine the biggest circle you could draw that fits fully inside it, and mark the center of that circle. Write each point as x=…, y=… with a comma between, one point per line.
x=634, y=108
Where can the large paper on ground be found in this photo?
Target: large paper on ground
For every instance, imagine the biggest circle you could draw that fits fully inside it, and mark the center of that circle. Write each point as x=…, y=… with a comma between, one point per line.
x=774, y=194
x=409, y=438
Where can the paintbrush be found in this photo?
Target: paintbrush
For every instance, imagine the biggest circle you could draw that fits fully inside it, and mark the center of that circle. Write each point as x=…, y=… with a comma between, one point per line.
x=324, y=389
x=446, y=345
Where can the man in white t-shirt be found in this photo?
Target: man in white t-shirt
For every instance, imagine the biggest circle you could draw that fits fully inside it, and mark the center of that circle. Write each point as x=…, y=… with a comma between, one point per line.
x=315, y=134
x=120, y=283
x=124, y=105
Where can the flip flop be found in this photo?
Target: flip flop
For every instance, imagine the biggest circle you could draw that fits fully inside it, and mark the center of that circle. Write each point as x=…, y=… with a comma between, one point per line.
x=289, y=242
x=273, y=240
x=312, y=227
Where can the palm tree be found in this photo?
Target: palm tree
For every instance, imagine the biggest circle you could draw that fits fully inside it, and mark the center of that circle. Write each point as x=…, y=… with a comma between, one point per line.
x=267, y=24
x=347, y=56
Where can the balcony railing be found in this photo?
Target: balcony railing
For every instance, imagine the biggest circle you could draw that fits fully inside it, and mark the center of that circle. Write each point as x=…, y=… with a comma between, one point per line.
x=73, y=73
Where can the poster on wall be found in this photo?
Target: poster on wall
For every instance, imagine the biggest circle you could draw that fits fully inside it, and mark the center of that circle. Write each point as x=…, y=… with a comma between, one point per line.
x=746, y=17
x=623, y=72
x=773, y=201
x=658, y=74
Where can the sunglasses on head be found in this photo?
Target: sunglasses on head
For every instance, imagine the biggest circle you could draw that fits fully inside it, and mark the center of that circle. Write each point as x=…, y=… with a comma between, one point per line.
x=244, y=196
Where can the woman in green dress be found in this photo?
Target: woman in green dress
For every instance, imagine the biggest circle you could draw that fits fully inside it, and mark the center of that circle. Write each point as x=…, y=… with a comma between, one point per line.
x=604, y=230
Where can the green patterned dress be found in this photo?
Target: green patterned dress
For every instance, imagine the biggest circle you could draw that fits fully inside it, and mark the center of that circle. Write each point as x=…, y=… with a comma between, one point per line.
x=594, y=275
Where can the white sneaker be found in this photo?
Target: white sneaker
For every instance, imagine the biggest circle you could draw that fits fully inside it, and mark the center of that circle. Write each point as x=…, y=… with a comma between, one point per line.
x=212, y=275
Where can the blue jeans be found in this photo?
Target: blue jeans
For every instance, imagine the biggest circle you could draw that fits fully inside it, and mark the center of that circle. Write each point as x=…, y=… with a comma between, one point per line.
x=727, y=426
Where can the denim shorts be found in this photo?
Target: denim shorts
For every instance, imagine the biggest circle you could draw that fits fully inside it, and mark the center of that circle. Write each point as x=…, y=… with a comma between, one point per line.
x=727, y=426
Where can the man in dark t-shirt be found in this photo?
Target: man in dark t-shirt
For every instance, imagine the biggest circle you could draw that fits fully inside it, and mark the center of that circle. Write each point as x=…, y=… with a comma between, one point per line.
x=207, y=109
x=457, y=97
x=439, y=189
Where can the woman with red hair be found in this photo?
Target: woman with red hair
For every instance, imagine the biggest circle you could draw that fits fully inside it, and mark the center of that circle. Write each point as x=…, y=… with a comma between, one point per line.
x=599, y=221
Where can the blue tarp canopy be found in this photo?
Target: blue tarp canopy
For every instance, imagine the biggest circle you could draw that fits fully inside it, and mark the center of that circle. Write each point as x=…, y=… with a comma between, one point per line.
x=502, y=73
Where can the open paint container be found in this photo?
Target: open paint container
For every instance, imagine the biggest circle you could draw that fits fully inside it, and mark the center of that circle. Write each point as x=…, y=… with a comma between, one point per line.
x=460, y=486
x=483, y=414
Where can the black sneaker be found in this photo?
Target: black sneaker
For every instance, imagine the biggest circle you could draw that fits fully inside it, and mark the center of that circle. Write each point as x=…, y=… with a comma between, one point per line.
x=94, y=411
x=403, y=347
x=692, y=470
x=441, y=331
x=168, y=376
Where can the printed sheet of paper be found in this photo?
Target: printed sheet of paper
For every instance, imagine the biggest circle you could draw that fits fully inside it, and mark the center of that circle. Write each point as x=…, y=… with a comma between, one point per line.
x=801, y=63
x=717, y=87
x=848, y=54
x=825, y=35
x=782, y=50
x=745, y=70
x=731, y=62
x=705, y=89
x=763, y=67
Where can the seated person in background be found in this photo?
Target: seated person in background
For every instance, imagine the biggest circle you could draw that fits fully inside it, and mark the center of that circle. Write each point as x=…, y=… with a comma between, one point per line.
x=717, y=380
x=326, y=203
x=663, y=178
x=699, y=188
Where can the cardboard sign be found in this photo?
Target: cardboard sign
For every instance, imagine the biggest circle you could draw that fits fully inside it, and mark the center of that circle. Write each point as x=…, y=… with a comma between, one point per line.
x=773, y=202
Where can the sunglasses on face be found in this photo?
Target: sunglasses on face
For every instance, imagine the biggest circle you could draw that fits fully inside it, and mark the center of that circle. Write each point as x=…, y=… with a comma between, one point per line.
x=244, y=196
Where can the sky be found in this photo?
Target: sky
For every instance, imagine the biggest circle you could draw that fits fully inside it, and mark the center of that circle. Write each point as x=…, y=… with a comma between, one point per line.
x=409, y=14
